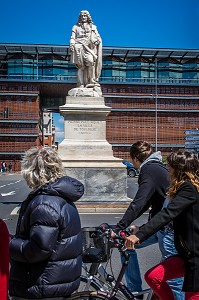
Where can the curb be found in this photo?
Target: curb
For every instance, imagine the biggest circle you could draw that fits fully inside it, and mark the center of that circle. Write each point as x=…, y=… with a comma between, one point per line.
x=101, y=208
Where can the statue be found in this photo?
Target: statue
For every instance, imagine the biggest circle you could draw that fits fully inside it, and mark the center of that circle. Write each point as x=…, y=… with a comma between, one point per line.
x=86, y=51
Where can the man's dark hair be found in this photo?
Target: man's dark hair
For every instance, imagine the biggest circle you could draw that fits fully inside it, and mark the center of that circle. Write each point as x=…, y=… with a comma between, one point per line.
x=141, y=150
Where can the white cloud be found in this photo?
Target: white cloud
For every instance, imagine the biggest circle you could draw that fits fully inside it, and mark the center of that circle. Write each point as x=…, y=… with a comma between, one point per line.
x=58, y=129
x=61, y=120
x=59, y=134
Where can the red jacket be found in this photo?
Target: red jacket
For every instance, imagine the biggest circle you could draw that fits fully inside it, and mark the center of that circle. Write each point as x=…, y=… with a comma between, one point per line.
x=4, y=260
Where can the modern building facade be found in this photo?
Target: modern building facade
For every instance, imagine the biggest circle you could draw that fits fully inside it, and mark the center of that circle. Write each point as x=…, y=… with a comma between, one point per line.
x=47, y=129
x=153, y=95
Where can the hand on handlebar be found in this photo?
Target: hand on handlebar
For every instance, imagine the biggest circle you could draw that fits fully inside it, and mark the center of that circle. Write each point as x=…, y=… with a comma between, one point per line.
x=131, y=241
x=134, y=229
x=113, y=234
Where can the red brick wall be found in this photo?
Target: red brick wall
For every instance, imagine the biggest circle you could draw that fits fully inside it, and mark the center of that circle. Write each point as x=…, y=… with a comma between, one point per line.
x=16, y=137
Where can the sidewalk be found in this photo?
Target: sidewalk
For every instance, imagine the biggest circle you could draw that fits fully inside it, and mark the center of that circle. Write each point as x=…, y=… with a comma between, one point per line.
x=102, y=208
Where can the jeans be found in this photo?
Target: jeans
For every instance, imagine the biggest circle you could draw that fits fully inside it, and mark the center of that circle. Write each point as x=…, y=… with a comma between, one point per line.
x=167, y=248
x=132, y=273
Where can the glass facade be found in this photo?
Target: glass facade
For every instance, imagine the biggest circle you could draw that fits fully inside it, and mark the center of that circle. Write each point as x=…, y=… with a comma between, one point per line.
x=58, y=68
x=45, y=68
x=20, y=68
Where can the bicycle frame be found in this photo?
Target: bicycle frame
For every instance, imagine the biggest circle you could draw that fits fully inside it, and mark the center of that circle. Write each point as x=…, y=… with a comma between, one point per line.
x=100, y=283
x=115, y=285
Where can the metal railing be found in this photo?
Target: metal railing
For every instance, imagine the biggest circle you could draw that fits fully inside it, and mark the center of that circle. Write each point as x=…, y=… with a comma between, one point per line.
x=112, y=79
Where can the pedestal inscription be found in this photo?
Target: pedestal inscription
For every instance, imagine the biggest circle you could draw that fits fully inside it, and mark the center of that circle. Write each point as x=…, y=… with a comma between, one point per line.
x=83, y=129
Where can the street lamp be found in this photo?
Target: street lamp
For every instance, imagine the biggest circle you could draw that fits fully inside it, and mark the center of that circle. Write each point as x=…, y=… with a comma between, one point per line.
x=43, y=111
x=156, y=120
x=156, y=123
x=156, y=104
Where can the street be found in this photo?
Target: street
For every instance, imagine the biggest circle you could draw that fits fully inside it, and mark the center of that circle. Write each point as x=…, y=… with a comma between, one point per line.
x=13, y=190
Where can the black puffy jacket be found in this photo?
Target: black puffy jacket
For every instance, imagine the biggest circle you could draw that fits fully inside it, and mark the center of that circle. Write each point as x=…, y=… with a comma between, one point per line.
x=46, y=250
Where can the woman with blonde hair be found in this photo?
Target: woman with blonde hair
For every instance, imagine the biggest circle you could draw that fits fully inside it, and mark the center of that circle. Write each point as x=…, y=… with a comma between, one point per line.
x=183, y=210
x=46, y=249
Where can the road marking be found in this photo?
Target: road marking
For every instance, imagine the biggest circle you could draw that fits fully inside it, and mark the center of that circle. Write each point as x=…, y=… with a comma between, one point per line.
x=10, y=183
x=13, y=182
x=15, y=211
x=8, y=194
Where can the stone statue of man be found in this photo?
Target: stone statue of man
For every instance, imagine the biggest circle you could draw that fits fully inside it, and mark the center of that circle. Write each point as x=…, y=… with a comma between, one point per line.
x=86, y=51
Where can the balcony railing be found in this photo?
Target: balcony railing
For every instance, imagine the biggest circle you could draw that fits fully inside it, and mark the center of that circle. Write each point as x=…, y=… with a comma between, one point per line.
x=112, y=79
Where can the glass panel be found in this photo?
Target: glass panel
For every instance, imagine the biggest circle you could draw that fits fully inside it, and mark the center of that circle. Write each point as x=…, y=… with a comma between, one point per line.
x=21, y=68
x=190, y=70
x=56, y=69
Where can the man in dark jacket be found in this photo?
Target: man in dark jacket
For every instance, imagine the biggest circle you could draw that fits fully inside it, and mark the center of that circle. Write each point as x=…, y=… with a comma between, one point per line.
x=153, y=183
x=46, y=250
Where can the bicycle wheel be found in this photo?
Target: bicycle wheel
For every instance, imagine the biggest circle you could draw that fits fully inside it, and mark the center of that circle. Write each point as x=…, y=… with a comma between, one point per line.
x=89, y=296
x=88, y=285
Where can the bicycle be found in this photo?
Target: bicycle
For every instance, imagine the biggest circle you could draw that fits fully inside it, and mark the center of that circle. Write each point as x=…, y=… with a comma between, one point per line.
x=96, y=282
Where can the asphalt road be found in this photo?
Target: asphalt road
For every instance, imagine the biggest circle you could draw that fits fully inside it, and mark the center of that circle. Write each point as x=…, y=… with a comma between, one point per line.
x=13, y=190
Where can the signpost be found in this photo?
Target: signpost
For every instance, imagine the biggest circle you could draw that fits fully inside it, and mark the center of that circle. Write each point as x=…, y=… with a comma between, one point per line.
x=192, y=146
x=192, y=139
x=192, y=131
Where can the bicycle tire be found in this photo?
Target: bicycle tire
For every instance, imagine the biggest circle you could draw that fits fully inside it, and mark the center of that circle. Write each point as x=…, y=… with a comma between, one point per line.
x=83, y=287
x=95, y=286
x=90, y=296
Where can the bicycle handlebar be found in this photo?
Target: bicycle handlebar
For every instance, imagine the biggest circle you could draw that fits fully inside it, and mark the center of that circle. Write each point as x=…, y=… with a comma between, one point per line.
x=104, y=230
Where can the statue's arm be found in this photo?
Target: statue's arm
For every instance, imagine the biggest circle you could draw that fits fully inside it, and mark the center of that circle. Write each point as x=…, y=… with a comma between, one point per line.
x=96, y=37
x=73, y=38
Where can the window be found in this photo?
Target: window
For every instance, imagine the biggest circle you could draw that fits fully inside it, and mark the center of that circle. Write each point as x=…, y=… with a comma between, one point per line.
x=21, y=68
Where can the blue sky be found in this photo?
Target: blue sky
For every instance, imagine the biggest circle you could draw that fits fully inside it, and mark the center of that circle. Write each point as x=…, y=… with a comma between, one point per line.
x=130, y=23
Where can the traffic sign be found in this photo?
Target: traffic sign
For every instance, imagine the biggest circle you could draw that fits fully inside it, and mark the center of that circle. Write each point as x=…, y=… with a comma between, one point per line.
x=191, y=142
x=191, y=146
x=192, y=138
x=192, y=131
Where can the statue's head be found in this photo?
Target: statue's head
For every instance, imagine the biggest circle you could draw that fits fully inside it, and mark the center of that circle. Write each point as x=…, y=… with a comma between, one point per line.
x=84, y=14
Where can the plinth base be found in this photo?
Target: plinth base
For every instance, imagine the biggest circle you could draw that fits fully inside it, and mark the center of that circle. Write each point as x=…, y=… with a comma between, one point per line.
x=108, y=185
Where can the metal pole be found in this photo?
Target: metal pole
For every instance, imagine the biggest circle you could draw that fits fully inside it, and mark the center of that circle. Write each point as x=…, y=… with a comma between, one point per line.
x=156, y=105
x=42, y=127
x=156, y=123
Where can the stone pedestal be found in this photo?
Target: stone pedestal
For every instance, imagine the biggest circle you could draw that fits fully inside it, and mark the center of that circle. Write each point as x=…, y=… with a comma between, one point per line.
x=87, y=155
